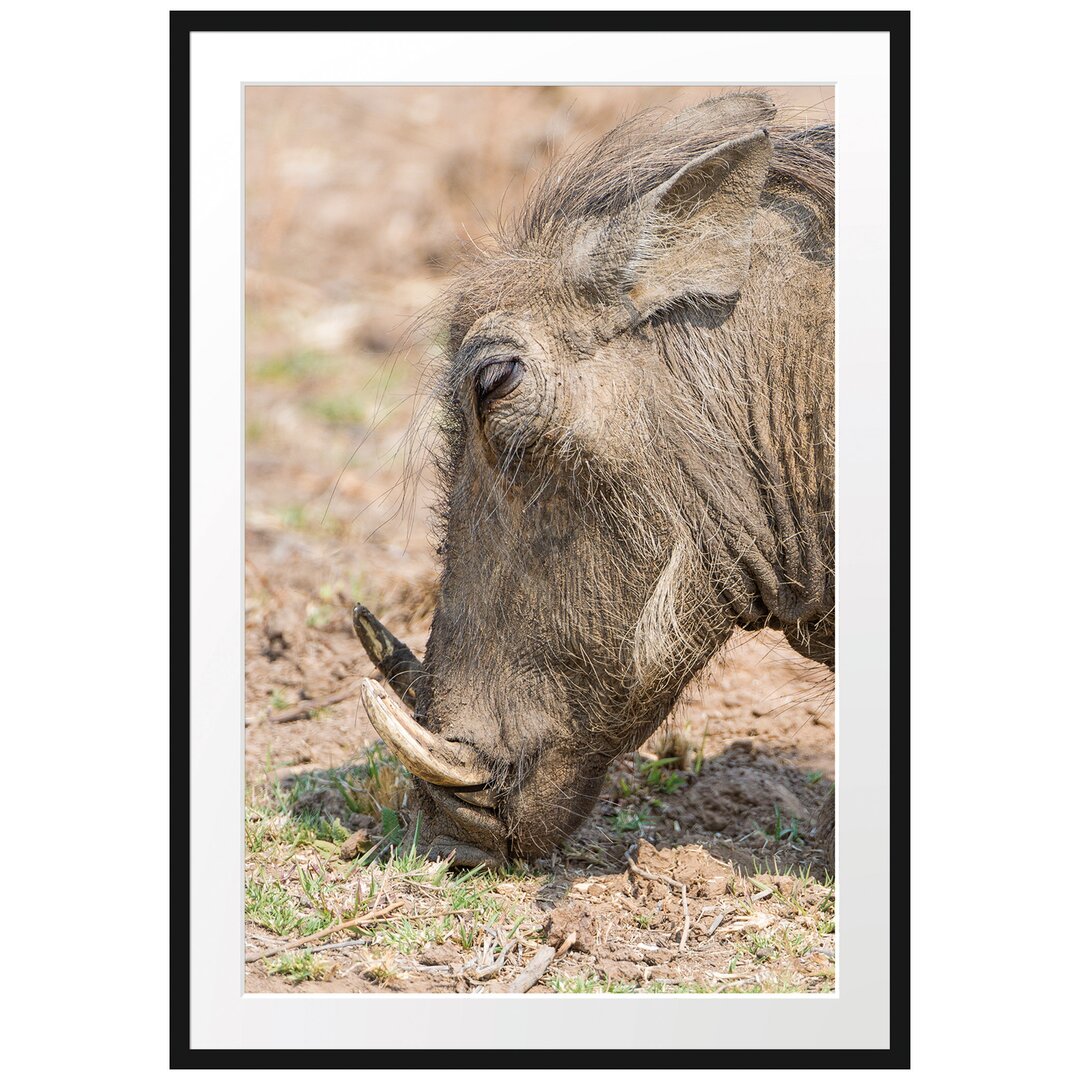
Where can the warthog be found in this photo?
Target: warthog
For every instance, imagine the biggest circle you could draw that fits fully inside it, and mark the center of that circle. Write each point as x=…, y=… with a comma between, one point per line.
x=637, y=421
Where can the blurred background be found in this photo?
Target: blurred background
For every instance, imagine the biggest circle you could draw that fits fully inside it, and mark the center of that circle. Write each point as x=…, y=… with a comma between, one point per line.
x=359, y=202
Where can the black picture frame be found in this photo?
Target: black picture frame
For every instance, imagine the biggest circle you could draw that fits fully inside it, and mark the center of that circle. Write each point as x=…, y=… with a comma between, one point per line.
x=894, y=23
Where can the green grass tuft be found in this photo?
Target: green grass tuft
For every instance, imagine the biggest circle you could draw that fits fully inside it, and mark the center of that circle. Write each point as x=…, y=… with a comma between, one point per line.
x=270, y=905
x=299, y=967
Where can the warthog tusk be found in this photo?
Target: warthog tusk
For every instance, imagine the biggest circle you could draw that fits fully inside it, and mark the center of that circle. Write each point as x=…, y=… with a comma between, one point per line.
x=392, y=657
x=423, y=753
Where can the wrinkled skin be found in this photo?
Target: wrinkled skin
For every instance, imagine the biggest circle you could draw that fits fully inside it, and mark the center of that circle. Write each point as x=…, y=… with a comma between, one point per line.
x=638, y=459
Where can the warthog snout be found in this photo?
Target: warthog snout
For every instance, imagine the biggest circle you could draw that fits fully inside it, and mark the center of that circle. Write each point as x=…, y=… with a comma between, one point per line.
x=635, y=411
x=456, y=780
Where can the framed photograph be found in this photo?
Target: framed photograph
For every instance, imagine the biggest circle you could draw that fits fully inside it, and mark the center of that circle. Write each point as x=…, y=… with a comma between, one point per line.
x=539, y=436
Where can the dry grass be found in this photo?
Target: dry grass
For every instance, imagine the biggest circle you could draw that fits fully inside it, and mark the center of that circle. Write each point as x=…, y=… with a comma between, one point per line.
x=359, y=200
x=473, y=931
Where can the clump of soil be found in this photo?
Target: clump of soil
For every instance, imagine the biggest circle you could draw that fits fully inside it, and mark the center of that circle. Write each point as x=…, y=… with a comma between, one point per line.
x=679, y=917
x=735, y=829
x=571, y=927
x=723, y=801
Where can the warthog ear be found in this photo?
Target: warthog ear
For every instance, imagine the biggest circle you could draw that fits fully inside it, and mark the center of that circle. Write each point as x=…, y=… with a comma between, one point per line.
x=693, y=236
x=685, y=238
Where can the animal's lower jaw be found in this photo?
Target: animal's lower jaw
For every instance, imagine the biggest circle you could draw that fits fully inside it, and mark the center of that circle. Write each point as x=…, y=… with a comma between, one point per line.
x=465, y=833
x=458, y=853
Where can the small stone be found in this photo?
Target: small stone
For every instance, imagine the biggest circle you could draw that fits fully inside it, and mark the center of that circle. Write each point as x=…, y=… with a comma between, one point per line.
x=356, y=844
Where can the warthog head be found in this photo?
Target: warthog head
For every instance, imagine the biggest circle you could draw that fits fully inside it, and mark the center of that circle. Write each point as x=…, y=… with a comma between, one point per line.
x=637, y=424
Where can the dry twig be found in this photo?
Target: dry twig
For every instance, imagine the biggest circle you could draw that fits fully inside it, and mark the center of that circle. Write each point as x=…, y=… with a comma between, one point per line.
x=533, y=972
x=306, y=708
x=367, y=917
x=567, y=944
x=505, y=946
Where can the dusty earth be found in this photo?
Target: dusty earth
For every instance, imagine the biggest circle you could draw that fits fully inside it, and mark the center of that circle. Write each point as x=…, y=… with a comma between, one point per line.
x=699, y=870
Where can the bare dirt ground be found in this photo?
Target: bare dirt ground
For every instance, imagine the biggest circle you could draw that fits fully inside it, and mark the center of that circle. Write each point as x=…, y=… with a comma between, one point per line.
x=699, y=869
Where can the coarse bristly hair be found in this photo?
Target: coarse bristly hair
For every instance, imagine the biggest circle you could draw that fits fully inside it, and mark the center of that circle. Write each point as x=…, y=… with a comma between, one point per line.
x=687, y=512
x=600, y=181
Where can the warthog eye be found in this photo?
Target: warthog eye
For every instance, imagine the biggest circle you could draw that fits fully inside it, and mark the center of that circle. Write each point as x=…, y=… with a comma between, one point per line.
x=497, y=378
